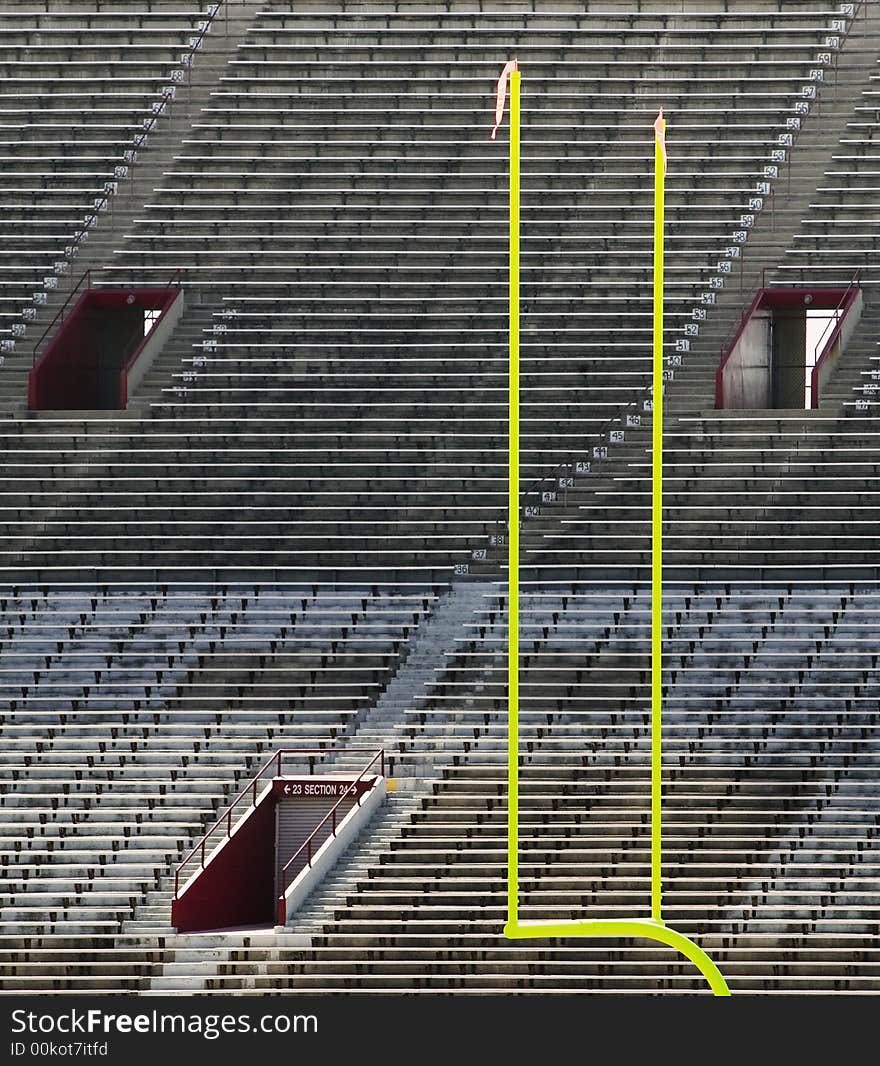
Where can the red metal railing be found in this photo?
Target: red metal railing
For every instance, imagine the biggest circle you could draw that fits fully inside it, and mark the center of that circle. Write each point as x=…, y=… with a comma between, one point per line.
x=757, y=286
x=87, y=278
x=275, y=763
x=141, y=339
x=308, y=845
x=729, y=345
x=568, y=467
x=823, y=347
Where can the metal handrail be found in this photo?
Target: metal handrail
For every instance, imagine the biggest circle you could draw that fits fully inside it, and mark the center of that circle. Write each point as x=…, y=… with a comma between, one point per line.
x=757, y=286
x=251, y=788
x=87, y=277
x=227, y=817
x=567, y=464
x=331, y=814
x=138, y=339
x=60, y=314
x=729, y=345
x=159, y=106
x=624, y=409
x=835, y=324
x=833, y=320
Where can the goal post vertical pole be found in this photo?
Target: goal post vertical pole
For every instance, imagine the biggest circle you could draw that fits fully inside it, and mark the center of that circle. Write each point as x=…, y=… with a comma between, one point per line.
x=657, y=532
x=513, y=522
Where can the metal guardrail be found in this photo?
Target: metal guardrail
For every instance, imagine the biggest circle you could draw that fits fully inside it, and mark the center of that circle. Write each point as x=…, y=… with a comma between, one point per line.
x=833, y=321
x=138, y=340
x=823, y=348
x=159, y=107
x=307, y=845
x=273, y=765
x=86, y=277
x=169, y=92
x=568, y=468
x=757, y=285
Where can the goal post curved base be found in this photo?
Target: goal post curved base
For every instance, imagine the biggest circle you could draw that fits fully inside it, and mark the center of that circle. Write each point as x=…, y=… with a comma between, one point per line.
x=643, y=928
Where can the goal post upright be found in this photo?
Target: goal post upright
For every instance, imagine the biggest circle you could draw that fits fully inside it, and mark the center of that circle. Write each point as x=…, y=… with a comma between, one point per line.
x=657, y=529
x=513, y=518
x=652, y=928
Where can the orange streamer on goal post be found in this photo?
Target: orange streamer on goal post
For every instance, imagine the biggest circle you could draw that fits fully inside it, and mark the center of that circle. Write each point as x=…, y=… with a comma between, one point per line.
x=501, y=94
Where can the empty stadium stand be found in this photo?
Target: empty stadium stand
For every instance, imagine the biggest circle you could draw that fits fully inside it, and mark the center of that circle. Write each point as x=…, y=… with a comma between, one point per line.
x=365, y=314
x=295, y=534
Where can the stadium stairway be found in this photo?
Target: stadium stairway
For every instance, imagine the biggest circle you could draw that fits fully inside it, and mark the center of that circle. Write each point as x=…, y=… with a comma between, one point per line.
x=426, y=916
x=385, y=724
x=395, y=308
x=729, y=798
x=466, y=609
x=121, y=130
x=119, y=786
x=771, y=691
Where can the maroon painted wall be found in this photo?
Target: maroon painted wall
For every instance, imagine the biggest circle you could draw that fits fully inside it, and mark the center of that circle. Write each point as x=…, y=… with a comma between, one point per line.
x=68, y=376
x=237, y=887
x=775, y=299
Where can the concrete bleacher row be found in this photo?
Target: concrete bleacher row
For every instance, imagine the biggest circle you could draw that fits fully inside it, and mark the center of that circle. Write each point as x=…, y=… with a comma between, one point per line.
x=770, y=720
x=107, y=778
x=369, y=298
x=334, y=401
x=80, y=87
x=770, y=734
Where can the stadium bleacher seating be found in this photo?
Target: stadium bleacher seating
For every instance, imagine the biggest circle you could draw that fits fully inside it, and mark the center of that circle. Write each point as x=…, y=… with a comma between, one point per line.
x=364, y=313
x=295, y=536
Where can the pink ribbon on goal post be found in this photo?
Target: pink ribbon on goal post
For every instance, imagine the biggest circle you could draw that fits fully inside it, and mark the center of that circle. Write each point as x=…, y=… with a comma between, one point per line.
x=660, y=135
x=500, y=93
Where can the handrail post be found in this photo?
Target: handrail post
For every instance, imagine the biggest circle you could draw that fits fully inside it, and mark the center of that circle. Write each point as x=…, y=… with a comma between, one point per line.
x=86, y=277
x=377, y=755
x=152, y=122
x=837, y=316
